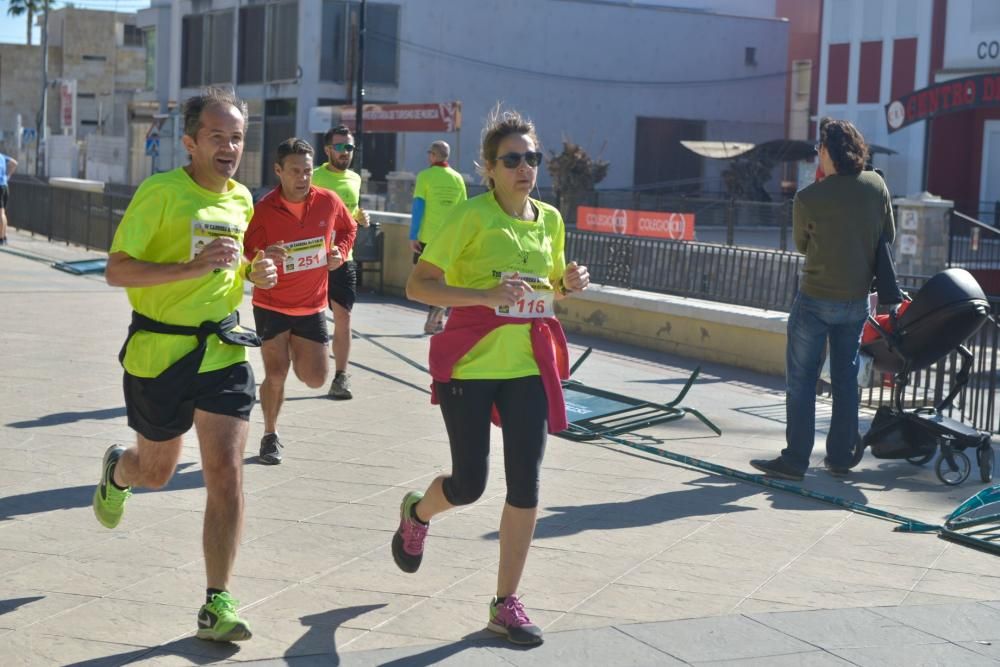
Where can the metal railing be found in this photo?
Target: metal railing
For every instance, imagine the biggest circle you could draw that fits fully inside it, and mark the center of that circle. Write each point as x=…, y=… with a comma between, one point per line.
x=972, y=244
x=85, y=218
x=747, y=276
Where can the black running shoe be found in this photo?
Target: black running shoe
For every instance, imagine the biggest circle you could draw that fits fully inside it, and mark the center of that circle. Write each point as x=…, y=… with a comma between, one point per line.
x=270, y=449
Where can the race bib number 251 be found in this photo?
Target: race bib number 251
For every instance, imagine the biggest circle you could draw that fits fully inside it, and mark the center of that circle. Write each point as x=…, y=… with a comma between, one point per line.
x=305, y=255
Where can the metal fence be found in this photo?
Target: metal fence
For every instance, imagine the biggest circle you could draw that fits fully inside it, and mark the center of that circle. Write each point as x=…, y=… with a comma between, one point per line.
x=85, y=218
x=747, y=276
x=973, y=244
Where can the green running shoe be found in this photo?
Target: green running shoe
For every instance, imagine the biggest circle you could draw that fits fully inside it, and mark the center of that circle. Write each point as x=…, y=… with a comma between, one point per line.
x=219, y=622
x=109, y=500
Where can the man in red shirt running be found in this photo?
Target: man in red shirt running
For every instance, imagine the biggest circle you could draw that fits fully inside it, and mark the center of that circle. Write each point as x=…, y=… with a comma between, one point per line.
x=308, y=231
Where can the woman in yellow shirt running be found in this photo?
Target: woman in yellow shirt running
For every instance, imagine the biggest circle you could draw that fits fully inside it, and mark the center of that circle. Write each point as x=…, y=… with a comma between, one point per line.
x=499, y=263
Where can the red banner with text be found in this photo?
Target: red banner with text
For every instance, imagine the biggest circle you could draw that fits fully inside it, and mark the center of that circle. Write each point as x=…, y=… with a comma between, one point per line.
x=434, y=117
x=655, y=224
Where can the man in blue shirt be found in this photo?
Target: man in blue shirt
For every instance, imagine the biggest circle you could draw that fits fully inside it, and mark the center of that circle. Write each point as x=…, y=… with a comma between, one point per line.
x=8, y=164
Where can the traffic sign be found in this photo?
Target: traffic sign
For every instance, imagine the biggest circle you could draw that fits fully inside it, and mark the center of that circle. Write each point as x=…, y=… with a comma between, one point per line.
x=153, y=146
x=28, y=135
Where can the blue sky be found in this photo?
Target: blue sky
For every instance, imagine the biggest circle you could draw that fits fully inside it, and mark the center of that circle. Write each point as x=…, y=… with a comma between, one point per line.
x=12, y=28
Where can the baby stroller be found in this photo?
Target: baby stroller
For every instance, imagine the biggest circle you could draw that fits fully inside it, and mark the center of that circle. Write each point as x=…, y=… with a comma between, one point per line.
x=942, y=315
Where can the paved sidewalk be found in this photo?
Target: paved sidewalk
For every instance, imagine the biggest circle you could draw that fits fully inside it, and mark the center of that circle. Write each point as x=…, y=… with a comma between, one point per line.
x=636, y=561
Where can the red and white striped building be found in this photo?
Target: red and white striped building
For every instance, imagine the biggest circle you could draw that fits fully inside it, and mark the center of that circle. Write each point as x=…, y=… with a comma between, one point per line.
x=876, y=52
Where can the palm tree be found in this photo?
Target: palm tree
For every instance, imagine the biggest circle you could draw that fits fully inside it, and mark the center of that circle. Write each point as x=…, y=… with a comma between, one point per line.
x=29, y=7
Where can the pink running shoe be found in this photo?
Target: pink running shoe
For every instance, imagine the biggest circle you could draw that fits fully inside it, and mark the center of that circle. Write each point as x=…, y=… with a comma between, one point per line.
x=408, y=542
x=509, y=618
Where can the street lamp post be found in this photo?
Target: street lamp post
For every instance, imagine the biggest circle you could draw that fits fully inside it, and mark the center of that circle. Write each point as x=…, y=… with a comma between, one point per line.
x=41, y=120
x=359, y=97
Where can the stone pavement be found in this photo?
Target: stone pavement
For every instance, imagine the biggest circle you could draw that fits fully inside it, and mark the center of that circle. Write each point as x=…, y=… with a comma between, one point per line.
x=636, y=561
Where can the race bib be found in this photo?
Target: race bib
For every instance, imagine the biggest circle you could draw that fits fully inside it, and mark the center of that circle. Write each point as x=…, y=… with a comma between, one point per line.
x=305, y=255
x=203, y=233
x=539, y=303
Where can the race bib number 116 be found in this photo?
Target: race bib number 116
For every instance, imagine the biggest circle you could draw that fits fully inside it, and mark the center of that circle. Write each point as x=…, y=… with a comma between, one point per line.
x=538, y=303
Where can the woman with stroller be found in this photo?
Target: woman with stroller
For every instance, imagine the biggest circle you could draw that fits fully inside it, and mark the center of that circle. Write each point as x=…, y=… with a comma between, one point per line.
x=499, y=264
x=837, y=224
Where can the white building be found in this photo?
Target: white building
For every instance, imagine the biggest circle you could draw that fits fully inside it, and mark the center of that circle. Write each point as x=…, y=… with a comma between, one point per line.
x=625, y=80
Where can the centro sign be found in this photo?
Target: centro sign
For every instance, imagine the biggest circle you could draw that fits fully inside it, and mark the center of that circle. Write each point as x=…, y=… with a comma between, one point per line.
x=988, y=50
x=625, y=222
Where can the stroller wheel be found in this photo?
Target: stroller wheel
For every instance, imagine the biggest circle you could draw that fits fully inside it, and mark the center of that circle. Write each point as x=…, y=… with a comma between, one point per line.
x=921, y=459
x=985, y=459
x=953, y=467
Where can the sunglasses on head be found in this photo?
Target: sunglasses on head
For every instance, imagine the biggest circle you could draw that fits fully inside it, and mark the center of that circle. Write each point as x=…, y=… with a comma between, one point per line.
x=343, y=148
x=513, y=160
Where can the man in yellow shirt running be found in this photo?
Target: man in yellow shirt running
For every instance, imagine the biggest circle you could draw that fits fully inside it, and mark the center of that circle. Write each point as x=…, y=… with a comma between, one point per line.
x=438, y=188
x=177, y=253
x=336, y=176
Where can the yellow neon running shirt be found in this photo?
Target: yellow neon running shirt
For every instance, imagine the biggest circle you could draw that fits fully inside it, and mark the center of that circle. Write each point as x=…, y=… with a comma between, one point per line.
x=346, y=184
x=477, y=243
x=167, y=219
x=440, y=188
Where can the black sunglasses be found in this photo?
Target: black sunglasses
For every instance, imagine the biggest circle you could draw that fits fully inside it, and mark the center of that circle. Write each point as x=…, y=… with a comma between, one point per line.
x=513, y=160
x=343, y=148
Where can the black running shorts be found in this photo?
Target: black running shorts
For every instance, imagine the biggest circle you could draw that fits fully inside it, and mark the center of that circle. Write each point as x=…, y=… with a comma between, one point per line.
x=159, y=410
x=343, y=285
x=271, y=323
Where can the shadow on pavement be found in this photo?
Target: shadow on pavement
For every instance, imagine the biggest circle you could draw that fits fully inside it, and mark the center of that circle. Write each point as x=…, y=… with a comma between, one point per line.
x=57, y=418
x=319, y=640
x=7, y=606
x=476, y=640
x=190, y=648
x=316, y=646
x=38, y=502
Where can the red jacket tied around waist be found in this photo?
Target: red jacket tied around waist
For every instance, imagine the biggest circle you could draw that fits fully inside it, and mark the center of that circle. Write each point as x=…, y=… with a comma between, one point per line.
x=467, y=325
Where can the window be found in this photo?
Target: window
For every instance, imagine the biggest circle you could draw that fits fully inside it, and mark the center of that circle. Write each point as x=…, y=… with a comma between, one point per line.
x=150, y=41
x=340, y=29
x=251, y=60
x=750, y=56
x=838, y=59
x=801, y=80
x=266, y=53
x=99, y=59
x=133, y=35
x=382, y=44
x=282, y=61
x=870, y=73
x=333, y=54
x=206, y=42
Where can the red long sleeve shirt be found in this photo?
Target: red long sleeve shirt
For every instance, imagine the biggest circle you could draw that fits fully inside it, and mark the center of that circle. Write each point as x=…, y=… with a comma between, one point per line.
x=302, y=278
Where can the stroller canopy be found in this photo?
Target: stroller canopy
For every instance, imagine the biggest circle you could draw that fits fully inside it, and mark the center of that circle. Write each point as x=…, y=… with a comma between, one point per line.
x=945, y=312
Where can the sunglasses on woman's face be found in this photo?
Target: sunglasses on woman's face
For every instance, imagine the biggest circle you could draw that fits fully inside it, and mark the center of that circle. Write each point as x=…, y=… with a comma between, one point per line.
x=343, y=148
x=513, y=160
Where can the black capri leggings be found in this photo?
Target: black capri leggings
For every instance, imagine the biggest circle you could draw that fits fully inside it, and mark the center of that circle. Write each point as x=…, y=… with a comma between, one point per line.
x=466, y=406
